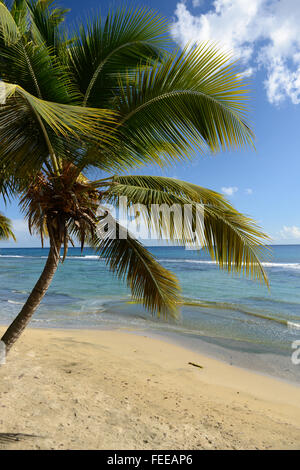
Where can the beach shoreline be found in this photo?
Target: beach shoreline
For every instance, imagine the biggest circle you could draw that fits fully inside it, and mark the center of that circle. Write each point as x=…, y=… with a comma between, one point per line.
x=260, y=361
x=227, y=318
x=111, y=389
x=251, y=357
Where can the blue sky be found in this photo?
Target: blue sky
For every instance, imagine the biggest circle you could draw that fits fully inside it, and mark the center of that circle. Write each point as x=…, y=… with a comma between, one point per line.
x=265, y=35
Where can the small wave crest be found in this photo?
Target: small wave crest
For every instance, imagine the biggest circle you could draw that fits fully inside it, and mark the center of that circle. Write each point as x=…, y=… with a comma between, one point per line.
x=84, y=257
x=271, y=265
x=12, y=256
x=293, y=326
x=265, y=264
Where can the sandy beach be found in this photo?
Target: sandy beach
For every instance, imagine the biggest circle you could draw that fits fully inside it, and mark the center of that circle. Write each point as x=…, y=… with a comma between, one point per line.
x=71, y=389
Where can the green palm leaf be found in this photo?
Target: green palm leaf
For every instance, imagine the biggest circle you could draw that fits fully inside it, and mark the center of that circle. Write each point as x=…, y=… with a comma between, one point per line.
x=65, y=119
x=150, y=283
x=5, y=228
x=231, y=238
x=45, y=23
x=171, y=186
x=27, y=122
x=19, y=13
x=193, y=100
x=35, y=67
x=109, y=47
x=9, y=30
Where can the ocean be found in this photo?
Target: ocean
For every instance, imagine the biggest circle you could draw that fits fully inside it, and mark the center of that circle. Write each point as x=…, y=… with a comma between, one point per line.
x=225, y=316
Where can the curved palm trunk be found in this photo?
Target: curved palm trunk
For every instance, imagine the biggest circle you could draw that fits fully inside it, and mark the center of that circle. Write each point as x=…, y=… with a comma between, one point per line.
x=21, y=321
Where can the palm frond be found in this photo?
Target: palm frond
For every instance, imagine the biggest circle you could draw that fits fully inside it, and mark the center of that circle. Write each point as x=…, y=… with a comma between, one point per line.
x=9, y=31
x=36, y=69
x=5, y=228
x=34, y=132
x=192, y=100
x=65, y=119
x=8, y=184
x=30, y=59
x=19, y=13
x=108, y=47
x=150, y=283
x=23, y=148
x=171, y=186
x=235, y=242
x=232, y=239
x=45, y=21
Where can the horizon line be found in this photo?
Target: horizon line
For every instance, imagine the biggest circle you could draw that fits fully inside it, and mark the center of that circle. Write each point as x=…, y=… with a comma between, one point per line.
x=152, y=246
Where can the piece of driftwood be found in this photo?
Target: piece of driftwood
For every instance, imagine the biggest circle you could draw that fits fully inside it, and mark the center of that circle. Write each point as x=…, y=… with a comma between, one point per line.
x=195, y=365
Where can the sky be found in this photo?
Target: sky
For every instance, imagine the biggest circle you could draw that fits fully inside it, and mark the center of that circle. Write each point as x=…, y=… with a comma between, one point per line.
x=264, y=35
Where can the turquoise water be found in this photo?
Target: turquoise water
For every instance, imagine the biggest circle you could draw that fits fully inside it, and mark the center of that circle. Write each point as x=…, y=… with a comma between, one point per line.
x=229, y=311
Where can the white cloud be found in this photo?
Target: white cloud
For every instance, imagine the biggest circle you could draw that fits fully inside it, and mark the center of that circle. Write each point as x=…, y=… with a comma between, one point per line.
x=249, y=191
x=288, y=233
x=247, y=73
x=197, y=3
x=229, y=191
x=262, y=33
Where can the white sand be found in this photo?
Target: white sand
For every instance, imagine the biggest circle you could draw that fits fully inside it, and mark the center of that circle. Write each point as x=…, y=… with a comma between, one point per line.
x=71, y=389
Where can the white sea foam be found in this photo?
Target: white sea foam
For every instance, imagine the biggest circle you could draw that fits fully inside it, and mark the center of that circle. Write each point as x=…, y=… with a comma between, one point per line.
x=267, y=265
x=294, y=266
x=12, y=256
x=282, y=265
x=179, y=260
x=45, y=257
x=293, y=326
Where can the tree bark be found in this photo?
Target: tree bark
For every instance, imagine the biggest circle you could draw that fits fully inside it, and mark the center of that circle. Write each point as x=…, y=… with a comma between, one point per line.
x=16, y=328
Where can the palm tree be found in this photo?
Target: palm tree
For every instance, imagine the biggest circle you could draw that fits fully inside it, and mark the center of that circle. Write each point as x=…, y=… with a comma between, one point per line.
x=105, y=99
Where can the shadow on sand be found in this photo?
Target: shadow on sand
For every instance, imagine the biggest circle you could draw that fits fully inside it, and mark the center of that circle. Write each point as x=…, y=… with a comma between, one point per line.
x=8, y=437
